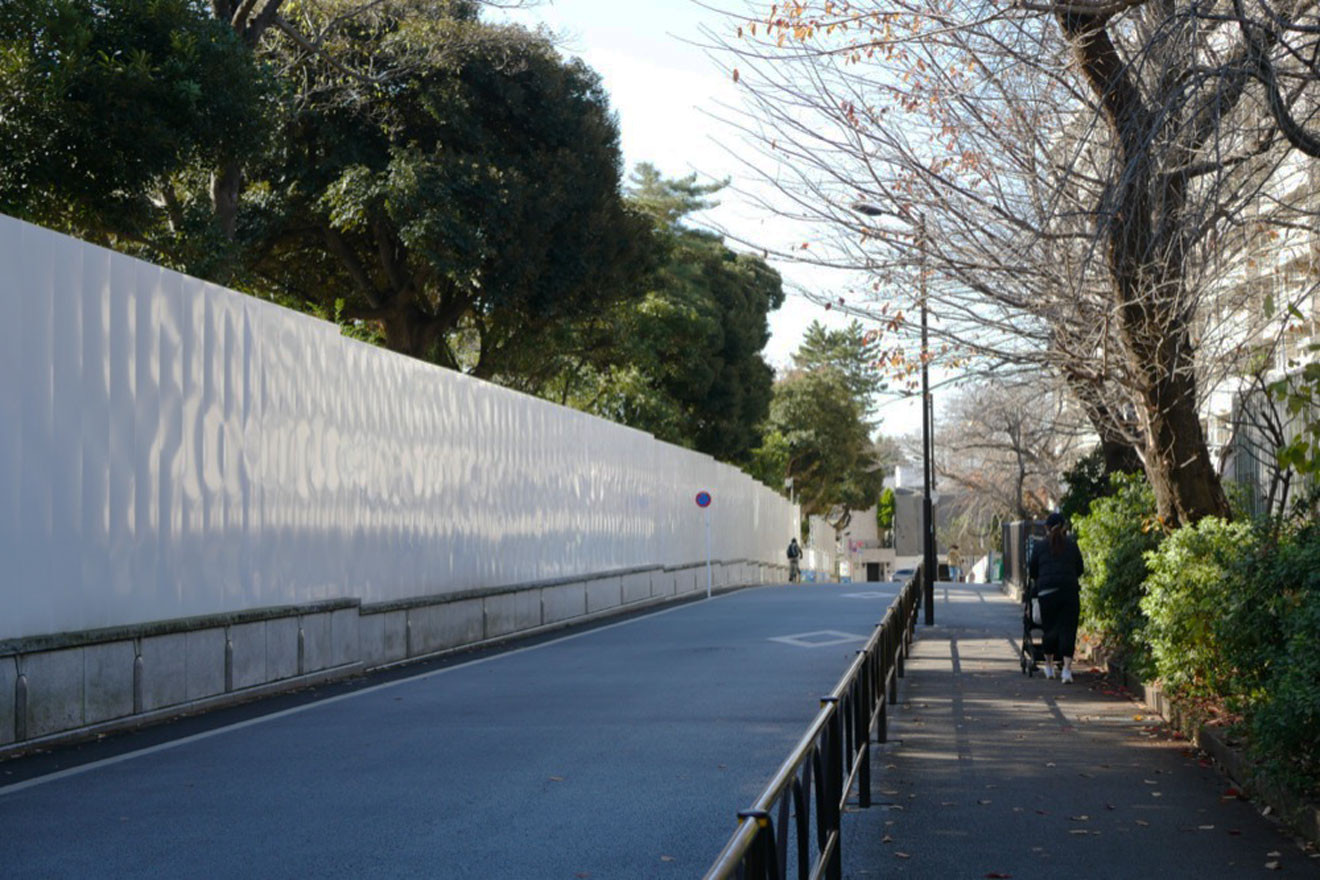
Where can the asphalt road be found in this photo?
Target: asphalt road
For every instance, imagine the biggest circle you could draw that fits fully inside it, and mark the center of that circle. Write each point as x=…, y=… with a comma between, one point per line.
x=622, y=751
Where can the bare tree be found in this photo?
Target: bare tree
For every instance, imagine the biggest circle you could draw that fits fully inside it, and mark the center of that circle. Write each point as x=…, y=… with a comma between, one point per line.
x=1090, y=192
x=1005, y=447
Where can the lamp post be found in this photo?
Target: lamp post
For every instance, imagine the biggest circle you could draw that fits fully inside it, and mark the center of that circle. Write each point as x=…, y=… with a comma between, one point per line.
x=927, y=414
x=928, y=563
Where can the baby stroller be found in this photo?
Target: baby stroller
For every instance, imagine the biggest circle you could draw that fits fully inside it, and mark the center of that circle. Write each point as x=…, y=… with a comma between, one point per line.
x=1033, y=634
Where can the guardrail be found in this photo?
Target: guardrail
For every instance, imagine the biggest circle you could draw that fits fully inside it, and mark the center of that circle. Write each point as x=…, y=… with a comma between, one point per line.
x=774, y=837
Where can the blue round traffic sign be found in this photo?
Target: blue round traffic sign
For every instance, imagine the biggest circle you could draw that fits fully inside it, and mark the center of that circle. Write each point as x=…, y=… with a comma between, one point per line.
x=703, y=499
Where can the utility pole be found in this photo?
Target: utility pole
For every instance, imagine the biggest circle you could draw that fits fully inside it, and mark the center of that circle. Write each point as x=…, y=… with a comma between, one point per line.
x=927, y=522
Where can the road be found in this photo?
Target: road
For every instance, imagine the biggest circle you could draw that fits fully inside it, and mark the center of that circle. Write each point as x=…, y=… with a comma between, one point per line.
x=622, y=751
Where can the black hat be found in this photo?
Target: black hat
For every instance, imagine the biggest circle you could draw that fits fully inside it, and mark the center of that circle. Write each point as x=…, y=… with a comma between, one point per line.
x=1054, y=519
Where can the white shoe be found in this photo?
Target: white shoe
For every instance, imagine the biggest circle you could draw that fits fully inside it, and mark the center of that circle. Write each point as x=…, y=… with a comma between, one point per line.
x=1067, y=675
x=1049, y=670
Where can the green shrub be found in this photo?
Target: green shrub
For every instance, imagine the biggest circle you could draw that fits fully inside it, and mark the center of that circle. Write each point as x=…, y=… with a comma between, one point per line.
x=1195, y=587
x=1278, y=649
x=1114, y=543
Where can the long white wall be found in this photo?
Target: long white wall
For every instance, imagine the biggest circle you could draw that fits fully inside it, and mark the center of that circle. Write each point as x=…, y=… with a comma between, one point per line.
x=169, y=448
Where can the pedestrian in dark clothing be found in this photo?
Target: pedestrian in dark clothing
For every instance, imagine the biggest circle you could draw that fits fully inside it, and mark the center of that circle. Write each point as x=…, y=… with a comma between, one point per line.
x=1055, y=565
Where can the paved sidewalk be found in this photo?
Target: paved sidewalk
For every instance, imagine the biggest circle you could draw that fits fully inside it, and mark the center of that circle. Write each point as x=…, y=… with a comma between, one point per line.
x=989, y=773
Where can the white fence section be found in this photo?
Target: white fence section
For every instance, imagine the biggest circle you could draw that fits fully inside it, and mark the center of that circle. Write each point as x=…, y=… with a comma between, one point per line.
x=171, y=448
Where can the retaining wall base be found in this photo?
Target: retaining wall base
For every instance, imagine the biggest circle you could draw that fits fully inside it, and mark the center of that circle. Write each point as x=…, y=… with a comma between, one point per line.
x=59, y=689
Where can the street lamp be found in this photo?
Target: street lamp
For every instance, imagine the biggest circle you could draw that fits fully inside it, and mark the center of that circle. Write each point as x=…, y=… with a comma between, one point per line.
x=928, y=563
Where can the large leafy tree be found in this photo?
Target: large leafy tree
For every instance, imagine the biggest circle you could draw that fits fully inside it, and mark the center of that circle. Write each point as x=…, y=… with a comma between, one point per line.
x=684, y=362
x=105, y=107
x=464, y=197
x=817, y=437
x=853, y=351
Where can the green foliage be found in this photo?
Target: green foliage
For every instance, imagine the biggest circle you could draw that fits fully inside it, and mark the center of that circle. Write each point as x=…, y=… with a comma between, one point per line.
x=1114, y=544
x=1269, y=631
x=468, y=201
x=884, y=511
x=1285, y=723
x=1087, y=481
x=1299, y=394
x=831, y=459
x=684, y=362
x=852, y=351
x=102, y=103
x=1194, y=584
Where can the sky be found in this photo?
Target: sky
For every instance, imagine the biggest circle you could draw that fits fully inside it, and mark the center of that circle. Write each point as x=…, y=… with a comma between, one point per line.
x=668, y=93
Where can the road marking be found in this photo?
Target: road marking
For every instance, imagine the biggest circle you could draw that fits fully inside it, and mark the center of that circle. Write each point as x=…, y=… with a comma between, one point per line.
x=821, y=638
x=239, y=725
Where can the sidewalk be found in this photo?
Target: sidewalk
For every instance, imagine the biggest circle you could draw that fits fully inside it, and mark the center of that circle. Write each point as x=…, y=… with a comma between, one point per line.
x=989, y=773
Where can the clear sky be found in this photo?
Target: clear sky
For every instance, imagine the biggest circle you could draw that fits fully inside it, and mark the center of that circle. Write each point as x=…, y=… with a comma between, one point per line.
x=668, y=91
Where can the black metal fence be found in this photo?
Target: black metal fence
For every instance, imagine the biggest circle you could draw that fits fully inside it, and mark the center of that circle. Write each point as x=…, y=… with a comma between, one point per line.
x=776, y=837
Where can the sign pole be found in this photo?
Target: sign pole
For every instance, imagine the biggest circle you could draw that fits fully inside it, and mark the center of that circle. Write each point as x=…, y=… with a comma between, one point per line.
x=703, y=501
x=708, y=573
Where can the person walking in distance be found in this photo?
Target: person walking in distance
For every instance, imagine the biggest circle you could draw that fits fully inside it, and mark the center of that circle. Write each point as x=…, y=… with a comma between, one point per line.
x=1056, y=564
x=794, y=566
x=955, y=564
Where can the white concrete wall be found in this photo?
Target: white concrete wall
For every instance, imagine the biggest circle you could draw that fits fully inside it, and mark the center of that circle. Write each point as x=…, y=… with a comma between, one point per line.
x=170, y=448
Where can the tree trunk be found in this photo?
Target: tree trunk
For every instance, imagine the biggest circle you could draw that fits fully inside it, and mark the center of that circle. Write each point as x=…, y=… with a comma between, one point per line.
x=226, y=187
x=1146, y=255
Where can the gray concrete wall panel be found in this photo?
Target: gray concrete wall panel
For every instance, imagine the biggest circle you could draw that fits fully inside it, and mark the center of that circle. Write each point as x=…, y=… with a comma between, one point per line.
x=636, y=586
x=108, y=681
x=371, y=640
x=250, y=654
x=563, y=602
x=510, y=612
x=344, y=636
x=604, y=593
x=8, y=686
x=281, y=648
x=439, y=627
x=205, y=663
x=55, y=691
x=164, y=665
x=318, y=642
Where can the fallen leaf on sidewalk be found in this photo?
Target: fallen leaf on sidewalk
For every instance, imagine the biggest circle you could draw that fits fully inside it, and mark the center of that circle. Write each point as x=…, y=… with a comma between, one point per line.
x=1274, y=865
x=902, y=855
x=1078, y=831
x=983, y=802
x=1081, y=818
x=1143, y=823
x=886, y=839
x=666, y=858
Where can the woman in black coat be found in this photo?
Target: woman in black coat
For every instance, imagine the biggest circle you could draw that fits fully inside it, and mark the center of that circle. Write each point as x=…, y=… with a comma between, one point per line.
x=1055, y=565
